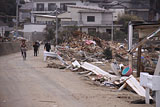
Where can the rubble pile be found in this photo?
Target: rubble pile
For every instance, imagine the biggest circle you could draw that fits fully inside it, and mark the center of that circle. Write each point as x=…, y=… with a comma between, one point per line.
x=85, y=53
x=89, y=48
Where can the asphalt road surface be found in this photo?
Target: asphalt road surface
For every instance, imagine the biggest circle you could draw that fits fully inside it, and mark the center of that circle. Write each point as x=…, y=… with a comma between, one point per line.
x=30, y=84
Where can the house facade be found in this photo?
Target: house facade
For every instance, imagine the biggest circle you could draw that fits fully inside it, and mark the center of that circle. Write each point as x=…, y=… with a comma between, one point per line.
x=88, y=18
x=49, y=6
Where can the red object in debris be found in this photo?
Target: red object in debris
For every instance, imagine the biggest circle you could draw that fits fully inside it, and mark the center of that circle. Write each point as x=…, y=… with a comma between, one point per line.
x=127, y=71
x=88, y=42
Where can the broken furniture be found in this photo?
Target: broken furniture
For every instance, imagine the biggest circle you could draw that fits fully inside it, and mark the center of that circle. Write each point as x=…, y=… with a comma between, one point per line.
x=151, y=82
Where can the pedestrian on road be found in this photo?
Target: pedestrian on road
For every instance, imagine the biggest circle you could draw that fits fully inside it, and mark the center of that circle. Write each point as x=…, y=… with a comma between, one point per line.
x=47, y=47
x=23, y=48
x=38, y=43
x=35, y=47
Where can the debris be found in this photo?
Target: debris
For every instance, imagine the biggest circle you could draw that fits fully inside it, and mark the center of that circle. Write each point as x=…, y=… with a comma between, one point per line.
x=127, y=71
x=157, y=70
x=135, y=85
x=54, y=65
x=99, y=71
x=115, y=69
x=76, y=64
x=122, y=87
x=54, y=55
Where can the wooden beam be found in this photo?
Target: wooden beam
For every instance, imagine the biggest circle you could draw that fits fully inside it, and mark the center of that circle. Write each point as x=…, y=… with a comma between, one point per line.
x=139, y=59
x=144, y=40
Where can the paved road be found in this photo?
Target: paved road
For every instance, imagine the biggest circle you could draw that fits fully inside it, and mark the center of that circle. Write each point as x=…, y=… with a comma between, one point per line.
x=30, y=84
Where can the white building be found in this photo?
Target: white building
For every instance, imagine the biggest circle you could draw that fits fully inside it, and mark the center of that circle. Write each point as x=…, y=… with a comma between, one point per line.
x=48, y=7
x=88, y=18
x=34, y=32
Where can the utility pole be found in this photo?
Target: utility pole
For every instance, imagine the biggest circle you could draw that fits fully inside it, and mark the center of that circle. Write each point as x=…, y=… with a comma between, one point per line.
x=17, y=4
x=56, y=27
x=112, y=29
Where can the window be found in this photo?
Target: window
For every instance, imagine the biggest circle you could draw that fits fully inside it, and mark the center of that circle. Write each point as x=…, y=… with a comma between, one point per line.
x=51, y=6
x=108, y=31
x=91, y=30
x=90, y=18
x=63, y=6
x=40, y=7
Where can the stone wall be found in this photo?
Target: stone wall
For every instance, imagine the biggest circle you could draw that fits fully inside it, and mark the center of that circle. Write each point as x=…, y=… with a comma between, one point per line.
x=11, y=47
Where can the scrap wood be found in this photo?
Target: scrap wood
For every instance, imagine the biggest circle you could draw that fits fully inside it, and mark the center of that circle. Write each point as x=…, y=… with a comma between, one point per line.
x=144, y=40
x=135, y=85
x=98, y=71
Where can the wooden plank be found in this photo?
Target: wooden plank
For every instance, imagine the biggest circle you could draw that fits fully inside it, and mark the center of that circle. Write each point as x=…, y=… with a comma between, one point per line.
x=122, y=87
x=144, y=40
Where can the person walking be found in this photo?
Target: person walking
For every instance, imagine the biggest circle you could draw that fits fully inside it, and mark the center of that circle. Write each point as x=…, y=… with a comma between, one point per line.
x=35, y=47
x=38, y=43
x=23, y=48
x=47, y=47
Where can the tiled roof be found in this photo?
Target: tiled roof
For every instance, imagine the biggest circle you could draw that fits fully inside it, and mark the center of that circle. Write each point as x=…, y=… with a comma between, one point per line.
x=87, y=7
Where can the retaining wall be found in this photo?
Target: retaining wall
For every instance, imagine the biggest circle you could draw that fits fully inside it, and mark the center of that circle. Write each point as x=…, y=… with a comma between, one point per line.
x=11, y=47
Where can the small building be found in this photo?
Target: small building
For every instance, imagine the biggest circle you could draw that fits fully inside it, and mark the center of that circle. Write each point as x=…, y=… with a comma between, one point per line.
x=34, y=32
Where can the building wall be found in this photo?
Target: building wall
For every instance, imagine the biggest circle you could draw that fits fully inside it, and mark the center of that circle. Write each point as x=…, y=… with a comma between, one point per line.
x=34, y=36
x=98, y=29
x=34, y=32
x=98, y=18
x=44, y=20
x=78, y=2
x=11, y=47
x=75, y=13
x=24, y=16
x=34, y=28
x=117, y=13
x=107, y=18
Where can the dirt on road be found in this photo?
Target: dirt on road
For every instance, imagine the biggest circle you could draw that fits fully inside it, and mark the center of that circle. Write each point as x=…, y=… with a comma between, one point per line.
x=30, y=84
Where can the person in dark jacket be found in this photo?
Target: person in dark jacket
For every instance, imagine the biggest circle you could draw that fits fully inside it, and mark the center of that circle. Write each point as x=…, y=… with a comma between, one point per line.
x=47, y=47
x=35, y=47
